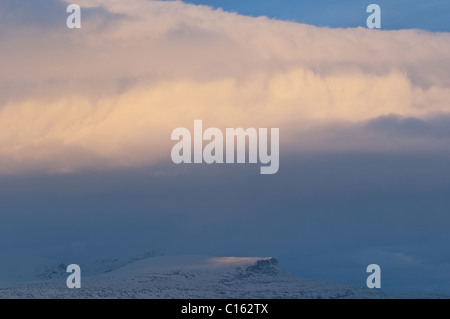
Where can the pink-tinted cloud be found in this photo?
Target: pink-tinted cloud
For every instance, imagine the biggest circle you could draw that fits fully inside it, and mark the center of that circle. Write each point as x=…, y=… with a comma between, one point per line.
x=109, y=94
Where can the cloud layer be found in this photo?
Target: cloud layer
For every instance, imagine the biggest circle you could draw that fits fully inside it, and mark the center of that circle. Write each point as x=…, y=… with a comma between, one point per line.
x=109, y=94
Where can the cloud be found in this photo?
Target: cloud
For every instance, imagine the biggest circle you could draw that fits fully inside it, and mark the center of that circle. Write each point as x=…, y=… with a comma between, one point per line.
x=437, y=127
x=109, y=95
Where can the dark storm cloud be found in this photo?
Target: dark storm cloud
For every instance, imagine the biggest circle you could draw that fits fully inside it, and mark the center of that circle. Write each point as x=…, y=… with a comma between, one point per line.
x=29, y=13
x=436, y=127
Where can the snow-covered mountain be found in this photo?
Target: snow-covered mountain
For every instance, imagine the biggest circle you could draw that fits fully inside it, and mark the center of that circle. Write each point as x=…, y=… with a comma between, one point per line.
x=154, y=276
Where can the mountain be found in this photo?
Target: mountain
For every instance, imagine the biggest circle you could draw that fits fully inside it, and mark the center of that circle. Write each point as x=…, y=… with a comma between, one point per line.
x=155, y=276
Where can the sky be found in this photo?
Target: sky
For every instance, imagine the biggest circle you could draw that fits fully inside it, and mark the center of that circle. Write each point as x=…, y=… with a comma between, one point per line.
x=430, y=15
x=87, y=115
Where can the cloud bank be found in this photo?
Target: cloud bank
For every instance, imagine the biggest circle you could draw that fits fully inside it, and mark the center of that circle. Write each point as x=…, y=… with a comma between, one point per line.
x=109, y=95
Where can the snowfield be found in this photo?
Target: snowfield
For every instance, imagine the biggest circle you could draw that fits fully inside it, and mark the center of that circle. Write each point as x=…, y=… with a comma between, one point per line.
x=187, y=277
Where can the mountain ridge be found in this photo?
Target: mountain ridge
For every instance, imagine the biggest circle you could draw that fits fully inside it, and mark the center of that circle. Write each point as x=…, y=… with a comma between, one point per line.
x=197, y=277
